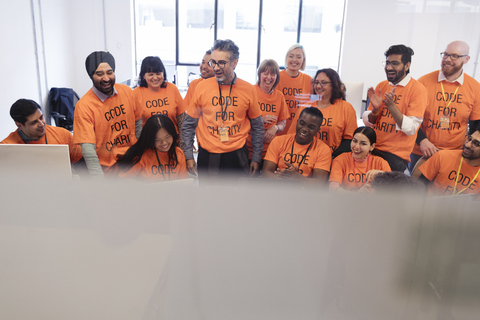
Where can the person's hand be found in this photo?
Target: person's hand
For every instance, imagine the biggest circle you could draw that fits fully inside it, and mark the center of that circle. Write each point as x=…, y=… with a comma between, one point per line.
x=254, y=168
x=191, y=166
x=370, y=175
x=428, y=148
x=390, y=99
x=269, y=119
x=270, y=134
x=290, y=172
x=366, y=188
x=375, y=99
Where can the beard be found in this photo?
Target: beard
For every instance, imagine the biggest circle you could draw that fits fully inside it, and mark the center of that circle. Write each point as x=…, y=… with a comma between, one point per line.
x=451, y=71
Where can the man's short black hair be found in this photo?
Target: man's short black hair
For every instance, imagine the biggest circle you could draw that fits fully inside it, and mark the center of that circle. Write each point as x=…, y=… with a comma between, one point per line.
x=22, y=109
x=313, y=112
x=405, y=51
x=227, y=46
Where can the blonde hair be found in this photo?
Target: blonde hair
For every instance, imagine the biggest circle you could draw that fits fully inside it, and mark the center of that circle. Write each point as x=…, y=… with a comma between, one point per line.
x=297, y=46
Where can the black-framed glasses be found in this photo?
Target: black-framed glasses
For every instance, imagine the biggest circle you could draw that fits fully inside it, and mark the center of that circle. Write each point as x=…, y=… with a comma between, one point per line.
x=475, y=143
x=453, y=57
x=221, y=64
x=323, y=83
x=394, y=64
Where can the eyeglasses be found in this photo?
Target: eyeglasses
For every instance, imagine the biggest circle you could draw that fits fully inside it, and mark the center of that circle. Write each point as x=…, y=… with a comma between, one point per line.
x=453, y=57
x=322, y=83
x=475, y=143
x=394, y=64
x=221, y=64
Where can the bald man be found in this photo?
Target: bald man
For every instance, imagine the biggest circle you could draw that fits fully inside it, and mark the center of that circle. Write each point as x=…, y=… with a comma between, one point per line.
x=105, y=117
x=453, y=101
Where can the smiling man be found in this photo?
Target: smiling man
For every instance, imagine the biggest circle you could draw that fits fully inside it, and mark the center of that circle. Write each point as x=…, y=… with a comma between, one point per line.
x=453, y=172
x=206, y=72
x=223, y=109
x=300, y=156
x=396, y=108
x=453, y=102
x=31, y=129
x=105, y=117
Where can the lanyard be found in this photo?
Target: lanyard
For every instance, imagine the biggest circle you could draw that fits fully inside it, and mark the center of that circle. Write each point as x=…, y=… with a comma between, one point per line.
x=443, y=94
x=355, y=171
x=161, y=167
x=304, y=156
x=456, y=179
x=224, y=118
x=46, y=137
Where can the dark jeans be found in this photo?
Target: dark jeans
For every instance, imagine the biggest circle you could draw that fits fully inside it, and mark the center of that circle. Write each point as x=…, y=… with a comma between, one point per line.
x=413, y=161
x=216, y=164
x=396, y=163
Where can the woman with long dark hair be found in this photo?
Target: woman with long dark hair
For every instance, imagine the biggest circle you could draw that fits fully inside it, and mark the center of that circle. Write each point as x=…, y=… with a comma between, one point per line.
x=350, y=171
x=155, y=155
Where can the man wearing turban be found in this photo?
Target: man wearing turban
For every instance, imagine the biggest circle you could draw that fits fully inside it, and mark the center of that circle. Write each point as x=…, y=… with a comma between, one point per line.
x=105, y=117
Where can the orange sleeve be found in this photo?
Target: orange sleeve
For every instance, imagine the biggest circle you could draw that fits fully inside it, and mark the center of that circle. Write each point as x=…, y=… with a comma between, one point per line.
x=324, y=157
x=338, y=170
x=350, y=121
x=181, y=105
x=431, y=167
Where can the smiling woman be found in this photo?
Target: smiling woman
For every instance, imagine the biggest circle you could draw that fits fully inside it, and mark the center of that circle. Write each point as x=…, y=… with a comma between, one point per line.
x=353, y=170
x=155, y=95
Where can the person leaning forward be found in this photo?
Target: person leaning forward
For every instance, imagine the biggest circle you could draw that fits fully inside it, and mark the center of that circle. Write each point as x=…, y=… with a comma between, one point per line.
x=106, y=122
x=453, y=103
x=28, y=117
x=224, y=108
x=396, y=108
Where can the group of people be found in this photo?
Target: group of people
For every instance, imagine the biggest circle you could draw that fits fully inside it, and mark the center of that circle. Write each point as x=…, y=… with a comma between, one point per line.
x=287, y=126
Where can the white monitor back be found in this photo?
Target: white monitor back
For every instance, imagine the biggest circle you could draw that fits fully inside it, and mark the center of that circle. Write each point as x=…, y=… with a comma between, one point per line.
x=38, y=160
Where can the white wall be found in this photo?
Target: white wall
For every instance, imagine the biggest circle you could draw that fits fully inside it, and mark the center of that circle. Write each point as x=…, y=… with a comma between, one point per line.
x=17, y=60
x=372, y=26
x=72, y=29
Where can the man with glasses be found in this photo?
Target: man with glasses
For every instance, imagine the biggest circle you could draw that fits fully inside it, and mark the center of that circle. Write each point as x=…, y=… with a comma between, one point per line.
x=453, y=100
x=225, y=109
x=396, y=108
x=453, y=172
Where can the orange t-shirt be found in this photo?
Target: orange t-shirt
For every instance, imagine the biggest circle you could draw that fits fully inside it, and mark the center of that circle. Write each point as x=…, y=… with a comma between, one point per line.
x=411, y=101
x=441, y=169
x=318, y=156
x=149, y=168
x=297, y=93
x=191, y=89
x=53, y=135
x=462, y=106
x=352, y=175
x=270, y=104
x=167, y=101
x=110, y=125
x=240, y=104
x=339, y=122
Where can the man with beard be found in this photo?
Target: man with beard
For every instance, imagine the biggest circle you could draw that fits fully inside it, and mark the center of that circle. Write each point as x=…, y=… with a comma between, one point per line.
x=223, y=109
x=299, y=156
x=396, y=108
x=453, y=100
x=105, y=117
x=452, y=172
